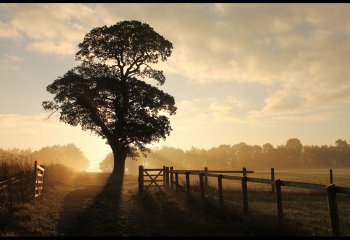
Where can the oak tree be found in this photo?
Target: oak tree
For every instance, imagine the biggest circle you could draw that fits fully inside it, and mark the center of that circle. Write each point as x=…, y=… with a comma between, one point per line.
x=110, y=92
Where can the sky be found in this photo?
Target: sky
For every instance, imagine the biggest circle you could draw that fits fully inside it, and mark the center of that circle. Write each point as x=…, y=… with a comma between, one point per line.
x=254, y=73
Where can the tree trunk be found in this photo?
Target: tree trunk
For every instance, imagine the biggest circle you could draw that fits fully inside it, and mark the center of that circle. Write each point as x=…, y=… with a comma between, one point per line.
x=119, y=154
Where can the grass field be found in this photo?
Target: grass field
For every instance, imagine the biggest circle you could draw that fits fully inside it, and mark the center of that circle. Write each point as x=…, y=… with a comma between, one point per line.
x=81, y=207
x=307, y=209
x=86, y=207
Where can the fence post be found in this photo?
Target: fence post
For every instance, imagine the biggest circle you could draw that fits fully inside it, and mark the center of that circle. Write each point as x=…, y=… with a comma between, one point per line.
x=164, y=177
x=201, y=183
x=333, y=210
x=244, y=172
x=206, y=179
x=330, y=176
x=141, y=178
x=35, y=177
x=188, y=182
x=171, y=178
x=177, y=182
x=245, y=194
x=167, y=177
x=278, y=193
x=42, y=178
x=221, y=199
x=273, y=179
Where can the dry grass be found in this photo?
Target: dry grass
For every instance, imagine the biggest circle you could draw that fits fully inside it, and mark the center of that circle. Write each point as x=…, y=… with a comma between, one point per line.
x=20, y=214
x=306, y=209
x=12, y=167
x=162, y=213
x=38, y=217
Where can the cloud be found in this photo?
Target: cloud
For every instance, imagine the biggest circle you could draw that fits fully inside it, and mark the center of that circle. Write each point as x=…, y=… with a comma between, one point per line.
x=189, y=112
x=201, y=112
x=302, y=48
x=10, y=61
x=50, y=28
x=60, y=48
x=7, y=31
x=279, y=109
x=299, y=50
x=27, y=123
x=226, y=110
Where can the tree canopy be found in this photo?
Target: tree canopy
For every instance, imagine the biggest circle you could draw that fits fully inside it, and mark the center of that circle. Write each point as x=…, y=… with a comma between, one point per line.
x=108, y=93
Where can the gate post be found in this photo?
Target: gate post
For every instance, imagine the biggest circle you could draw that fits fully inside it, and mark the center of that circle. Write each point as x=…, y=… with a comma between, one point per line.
x=177, y=182
x=141, y=178
x=201, y=183
x=164, y=177
x=333, y=209
x=221, y=199
x=167, y=177
x=171, y=178
x=244, y=172
x=205, y=179
x=273, y=179
x=278, y=193
x=188, y=182
x=245, y=195
x=35, y=177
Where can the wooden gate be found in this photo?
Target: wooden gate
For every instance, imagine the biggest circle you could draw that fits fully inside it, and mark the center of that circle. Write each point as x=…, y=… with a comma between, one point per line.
x=38, y=179
x=150, y=176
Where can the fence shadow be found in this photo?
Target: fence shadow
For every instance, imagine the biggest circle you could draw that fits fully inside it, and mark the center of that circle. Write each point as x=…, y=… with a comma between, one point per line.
x=180, y=214
x=92, y=210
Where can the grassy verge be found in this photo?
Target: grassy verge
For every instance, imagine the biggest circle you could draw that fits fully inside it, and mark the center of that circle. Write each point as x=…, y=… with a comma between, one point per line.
x=307, y=210
x=182, y=215
x=87, y=206
x=37, y=217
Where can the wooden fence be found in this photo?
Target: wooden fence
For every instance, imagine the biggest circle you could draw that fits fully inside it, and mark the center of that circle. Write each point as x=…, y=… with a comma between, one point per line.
x=147, y=179
x=171, y=176
x=36, y=180
x=39, y=171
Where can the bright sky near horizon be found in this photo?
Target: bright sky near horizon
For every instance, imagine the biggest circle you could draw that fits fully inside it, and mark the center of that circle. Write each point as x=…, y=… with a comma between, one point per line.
x=253, y=73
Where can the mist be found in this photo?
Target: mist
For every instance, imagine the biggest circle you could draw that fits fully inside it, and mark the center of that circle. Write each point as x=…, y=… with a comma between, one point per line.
x=292, y=155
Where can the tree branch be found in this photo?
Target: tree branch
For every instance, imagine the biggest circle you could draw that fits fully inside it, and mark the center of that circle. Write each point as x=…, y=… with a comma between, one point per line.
x=95, y=117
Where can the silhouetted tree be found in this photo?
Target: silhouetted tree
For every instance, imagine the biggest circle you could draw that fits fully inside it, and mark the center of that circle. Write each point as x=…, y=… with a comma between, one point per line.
x=256, y=157
x=106, y=93
x=267, y=148
x=341, y=152
x=293, y=151
x=295, y=144
x=175, y=155
x=242, y=153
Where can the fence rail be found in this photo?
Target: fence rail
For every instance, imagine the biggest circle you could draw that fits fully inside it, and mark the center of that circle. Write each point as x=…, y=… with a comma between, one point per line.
x=8, y=182
x=36, y=180
x=171, y=175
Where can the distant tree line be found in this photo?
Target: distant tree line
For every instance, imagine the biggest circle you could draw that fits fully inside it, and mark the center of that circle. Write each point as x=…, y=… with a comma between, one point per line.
x=68, y=155
x=291, y=155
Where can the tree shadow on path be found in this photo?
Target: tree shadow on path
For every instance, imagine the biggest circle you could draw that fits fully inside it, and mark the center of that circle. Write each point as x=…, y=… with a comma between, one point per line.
x=93, y=210
x=118, y=209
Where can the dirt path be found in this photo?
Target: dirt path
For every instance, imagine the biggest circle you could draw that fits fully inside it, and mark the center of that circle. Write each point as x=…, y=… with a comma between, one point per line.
x=96, y=209
x=104, y=208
